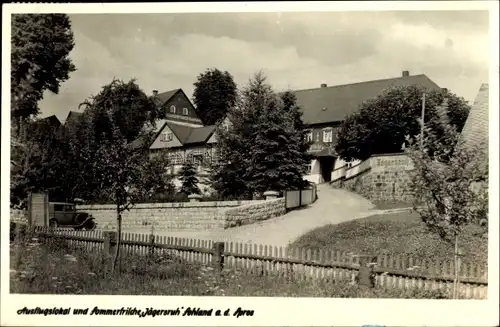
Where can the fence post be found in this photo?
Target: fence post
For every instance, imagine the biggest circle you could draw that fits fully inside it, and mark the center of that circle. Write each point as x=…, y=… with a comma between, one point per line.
x=365, y=276
x=18, y=241
x=300, y=196
x=218, y=256
x=151, y=243
x=110, y=240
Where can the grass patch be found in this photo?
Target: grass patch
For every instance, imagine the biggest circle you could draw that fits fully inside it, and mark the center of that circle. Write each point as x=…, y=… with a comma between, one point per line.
x=395, y=233
x=53, y=268
x=384, y=205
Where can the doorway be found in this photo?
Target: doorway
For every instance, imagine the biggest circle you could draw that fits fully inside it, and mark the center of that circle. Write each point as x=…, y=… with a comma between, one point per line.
x=326, y=168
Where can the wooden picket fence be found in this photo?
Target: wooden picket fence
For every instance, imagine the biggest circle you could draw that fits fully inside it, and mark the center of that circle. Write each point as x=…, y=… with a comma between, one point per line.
x=400, y=271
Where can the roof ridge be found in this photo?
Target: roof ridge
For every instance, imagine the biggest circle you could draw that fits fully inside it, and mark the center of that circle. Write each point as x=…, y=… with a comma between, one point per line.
x=172, y=90
x=358, y=83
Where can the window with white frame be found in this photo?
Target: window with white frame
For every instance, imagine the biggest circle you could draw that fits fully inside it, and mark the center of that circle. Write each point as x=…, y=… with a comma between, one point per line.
x=216, y=155
x=309, y=136
x=197, y=159
x=185, y=111
x=175, y=158
x=327, y=135
x=166, y=137
x=207, y=157
x=172, y=109
x=196, y=156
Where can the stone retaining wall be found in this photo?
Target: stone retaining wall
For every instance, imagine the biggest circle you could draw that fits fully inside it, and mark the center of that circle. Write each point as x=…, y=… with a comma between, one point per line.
x=251, y=213
x=182, y=216
x=192, y=216
x=388, y=178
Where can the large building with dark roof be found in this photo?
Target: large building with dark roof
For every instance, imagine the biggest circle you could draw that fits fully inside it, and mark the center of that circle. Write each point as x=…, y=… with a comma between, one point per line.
x=325, y=108
x=183, y=136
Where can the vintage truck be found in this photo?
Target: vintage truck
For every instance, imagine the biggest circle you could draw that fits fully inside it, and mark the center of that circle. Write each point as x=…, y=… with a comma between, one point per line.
x=62, y=214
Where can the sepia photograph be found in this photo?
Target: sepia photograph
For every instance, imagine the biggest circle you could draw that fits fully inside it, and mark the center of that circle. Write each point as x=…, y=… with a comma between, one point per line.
x=339, y=154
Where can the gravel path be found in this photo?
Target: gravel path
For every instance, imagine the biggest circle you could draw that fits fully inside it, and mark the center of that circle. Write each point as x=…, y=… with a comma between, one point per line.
x=332, y=207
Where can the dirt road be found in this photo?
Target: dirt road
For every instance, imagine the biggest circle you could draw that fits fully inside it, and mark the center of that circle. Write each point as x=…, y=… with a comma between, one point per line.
x=332, y=207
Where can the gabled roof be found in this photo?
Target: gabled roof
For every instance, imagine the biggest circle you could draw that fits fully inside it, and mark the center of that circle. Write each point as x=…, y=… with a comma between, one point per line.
x=200, y=134
x=50, y=120
x=73, y=116
x=334, y=103
x=138, y=142
x=188, y=135
x=161, y=98
x=475, y=131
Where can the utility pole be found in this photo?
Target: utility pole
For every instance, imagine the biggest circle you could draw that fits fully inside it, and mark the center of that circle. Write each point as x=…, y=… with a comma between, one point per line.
x=422, y=125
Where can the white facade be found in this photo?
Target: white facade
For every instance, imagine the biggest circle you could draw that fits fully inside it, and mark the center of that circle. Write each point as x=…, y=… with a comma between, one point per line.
x=339, y=170
x=314, y=175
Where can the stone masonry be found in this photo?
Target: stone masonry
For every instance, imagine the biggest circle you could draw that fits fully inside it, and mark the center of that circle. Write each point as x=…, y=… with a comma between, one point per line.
x=388, y=179
x=254, y=212
x=189, y=216
x=185, y=216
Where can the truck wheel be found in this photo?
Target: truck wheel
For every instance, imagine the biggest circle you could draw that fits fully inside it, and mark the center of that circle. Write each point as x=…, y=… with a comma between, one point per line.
x=90, y=225
x=53, y=223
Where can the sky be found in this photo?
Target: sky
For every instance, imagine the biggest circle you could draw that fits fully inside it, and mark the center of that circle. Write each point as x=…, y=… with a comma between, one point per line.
x=295, y=50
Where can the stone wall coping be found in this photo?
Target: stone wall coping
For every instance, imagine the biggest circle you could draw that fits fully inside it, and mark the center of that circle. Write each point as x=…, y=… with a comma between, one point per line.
x=275, y=193
x=249, y=205
x=208, y=204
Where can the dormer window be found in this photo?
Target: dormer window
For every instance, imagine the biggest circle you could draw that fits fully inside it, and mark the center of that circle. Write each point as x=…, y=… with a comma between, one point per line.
x=185, y=111
x=172, y=109
x=327, y=135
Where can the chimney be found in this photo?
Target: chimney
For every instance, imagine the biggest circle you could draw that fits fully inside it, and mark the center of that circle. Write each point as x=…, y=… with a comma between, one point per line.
x=155, y=93
x=323, y=85
x=406, y=73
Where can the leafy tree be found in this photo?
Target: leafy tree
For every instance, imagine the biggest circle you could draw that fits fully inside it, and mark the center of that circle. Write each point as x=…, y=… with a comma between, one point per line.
x=82, y=152
x=41, y=44
x=122, y=169
x=278, y=156
x=155, y=177
x=300, y=135
x=215, y=92
x=227, y=175
x=262, y=149
x=385, y=123
x=449, y=183
x=189, y=179
x=38, y=162
x=230, y=172
x=123, y=103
